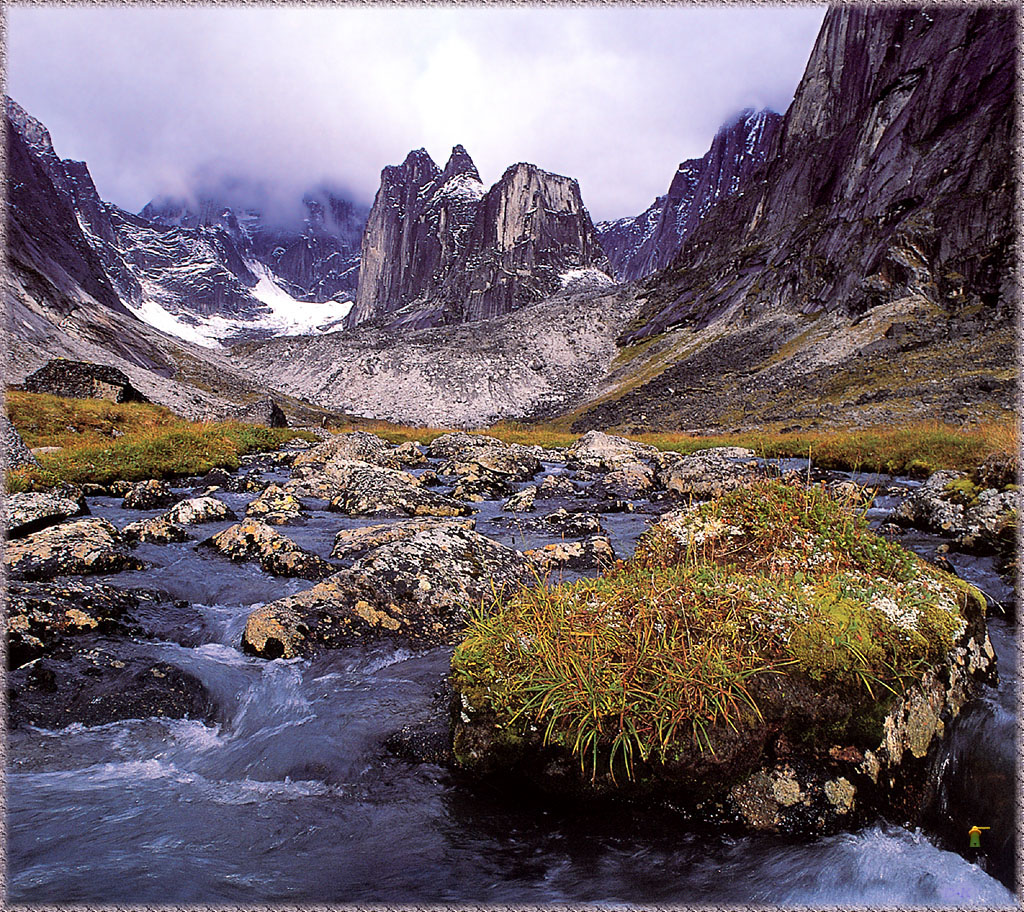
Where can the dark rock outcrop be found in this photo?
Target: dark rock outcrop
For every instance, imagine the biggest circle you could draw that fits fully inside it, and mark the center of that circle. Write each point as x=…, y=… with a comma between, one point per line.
x=439, y=250
x=650, y=241
x=264, y=411
x=81, y=380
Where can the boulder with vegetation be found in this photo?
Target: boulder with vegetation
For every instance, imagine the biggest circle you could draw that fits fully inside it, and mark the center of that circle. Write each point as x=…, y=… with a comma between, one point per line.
x=763, y=660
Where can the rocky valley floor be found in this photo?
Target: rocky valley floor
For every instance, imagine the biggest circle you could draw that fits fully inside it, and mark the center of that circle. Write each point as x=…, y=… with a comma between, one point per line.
x=256, y=662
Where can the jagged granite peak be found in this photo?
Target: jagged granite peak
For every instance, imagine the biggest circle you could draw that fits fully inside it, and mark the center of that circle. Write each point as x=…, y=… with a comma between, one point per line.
x=641, y=245
x=890, y=177
x=440, y=250
x=459, y=162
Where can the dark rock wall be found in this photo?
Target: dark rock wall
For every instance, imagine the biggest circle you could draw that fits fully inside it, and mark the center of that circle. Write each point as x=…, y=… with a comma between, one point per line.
x=892, y=175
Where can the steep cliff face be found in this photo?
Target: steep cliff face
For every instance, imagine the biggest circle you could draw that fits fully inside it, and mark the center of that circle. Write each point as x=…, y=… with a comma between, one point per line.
x=641, y=245
x=866, y=273
x=438, y=250
x=892, y=176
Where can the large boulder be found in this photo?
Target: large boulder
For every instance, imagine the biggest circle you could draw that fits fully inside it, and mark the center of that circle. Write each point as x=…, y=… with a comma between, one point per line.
x=602, y=452
x=82, y=380
x=29, y=512
x=158, y=530
x=252, y=540
x=276, y=507
x=459, y=444
x=489, y=472
x=354, y=445
x=79, y=546
x=763, y=661
x=419, y=589
x=14, y=448
x=352, y=543
x=358, y=488
x=628, y=481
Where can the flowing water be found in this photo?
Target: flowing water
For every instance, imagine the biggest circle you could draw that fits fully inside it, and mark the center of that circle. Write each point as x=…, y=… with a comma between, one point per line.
x=291, y=796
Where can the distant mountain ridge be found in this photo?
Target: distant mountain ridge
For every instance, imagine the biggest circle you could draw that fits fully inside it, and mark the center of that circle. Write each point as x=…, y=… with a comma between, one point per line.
x=217, y=276
x=640, y=245
x=439, y=249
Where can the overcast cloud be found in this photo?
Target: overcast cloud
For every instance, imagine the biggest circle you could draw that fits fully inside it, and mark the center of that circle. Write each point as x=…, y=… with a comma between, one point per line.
x=290, y=96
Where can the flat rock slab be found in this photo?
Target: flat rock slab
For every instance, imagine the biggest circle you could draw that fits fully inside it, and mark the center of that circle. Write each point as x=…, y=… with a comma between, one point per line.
x=30, y=512
x=77, y=547
x=251, y=540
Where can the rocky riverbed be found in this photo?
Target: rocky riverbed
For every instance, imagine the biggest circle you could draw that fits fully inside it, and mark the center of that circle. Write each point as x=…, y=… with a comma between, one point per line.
x=256, y=663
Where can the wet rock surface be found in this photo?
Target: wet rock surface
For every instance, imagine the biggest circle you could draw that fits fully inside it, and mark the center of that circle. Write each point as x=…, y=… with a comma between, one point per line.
x=102, y=682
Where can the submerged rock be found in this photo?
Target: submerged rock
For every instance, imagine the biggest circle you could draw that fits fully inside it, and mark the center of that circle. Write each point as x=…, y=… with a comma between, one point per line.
x=77, y=547
x=252, y=540
x=103, y=682
x=420, y=589
x=29, y=512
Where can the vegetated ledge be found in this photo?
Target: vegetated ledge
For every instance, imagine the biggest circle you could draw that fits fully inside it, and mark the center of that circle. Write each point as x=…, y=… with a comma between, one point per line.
x=763, y=661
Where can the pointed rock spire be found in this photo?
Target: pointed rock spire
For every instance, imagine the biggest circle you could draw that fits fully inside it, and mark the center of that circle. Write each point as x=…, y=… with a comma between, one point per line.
x=459, y=163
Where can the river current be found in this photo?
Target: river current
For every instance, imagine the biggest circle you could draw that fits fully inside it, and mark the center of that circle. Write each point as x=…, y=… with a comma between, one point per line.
x=292, y=797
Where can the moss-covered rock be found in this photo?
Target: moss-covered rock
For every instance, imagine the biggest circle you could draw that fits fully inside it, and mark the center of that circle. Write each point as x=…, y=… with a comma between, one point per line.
x=763, y=660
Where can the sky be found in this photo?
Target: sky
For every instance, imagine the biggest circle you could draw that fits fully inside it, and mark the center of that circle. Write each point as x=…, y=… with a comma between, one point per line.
x=158, y=100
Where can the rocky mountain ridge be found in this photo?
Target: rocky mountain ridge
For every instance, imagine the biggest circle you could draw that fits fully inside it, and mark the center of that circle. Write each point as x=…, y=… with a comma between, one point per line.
x=439, y=249
x=643, y=244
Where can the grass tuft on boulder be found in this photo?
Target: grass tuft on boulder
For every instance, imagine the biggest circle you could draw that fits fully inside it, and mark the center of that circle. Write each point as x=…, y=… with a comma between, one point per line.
x=721, y=614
